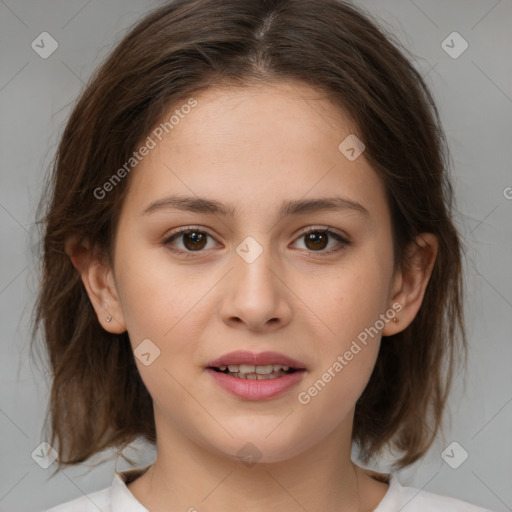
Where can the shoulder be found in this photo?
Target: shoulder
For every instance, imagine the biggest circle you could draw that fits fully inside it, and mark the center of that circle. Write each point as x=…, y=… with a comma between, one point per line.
x=98, y=500
x=411, y=499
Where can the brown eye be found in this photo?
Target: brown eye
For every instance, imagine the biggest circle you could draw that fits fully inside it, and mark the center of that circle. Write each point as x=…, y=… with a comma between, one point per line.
x=192, y=240
x=318, y=239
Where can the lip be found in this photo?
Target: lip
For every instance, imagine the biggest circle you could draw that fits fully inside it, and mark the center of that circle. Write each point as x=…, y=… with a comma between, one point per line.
x=256, y=359
x=256, y=389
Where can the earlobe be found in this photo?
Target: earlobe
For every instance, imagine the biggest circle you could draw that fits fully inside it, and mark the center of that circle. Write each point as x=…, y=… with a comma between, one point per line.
x=97, y=277
x=410, y=282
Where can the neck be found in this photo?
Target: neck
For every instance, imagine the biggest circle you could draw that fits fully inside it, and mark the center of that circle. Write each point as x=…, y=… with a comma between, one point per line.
x=187, y=476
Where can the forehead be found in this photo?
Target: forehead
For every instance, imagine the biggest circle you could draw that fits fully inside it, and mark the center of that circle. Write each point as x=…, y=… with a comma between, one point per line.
x=244, y=113
x=252, y=144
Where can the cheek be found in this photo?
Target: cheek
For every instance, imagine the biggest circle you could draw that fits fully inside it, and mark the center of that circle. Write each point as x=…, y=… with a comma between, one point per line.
x=157, y=310
x=154, y=293
x=158, y=303
x=350, y=298
x=350, y=304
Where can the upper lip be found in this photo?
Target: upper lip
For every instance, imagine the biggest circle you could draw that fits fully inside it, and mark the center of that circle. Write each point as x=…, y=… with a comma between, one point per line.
x=256, y=359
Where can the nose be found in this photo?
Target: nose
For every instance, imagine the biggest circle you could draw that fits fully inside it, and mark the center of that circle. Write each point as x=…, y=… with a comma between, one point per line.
x=257, y=296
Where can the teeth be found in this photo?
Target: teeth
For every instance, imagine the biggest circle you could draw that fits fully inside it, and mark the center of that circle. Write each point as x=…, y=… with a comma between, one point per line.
x=254, y=376
x=247, y=369
x=264, y=370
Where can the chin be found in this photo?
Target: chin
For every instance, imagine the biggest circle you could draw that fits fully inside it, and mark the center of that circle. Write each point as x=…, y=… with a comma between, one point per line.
x=259, y=448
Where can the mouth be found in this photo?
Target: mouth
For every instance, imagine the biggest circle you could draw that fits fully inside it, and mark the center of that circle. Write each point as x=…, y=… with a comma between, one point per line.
x=256, y=376
x=255, y=366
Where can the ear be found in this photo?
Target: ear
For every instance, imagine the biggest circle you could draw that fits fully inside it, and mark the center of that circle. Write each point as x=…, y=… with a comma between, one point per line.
x=98, y=279
x=409, y=283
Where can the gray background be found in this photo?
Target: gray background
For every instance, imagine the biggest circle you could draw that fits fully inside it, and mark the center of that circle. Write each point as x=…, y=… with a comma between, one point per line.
x=474, y=95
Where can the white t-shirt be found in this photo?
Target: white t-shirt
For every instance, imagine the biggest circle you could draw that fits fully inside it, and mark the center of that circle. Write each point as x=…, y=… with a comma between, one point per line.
x=118, y=498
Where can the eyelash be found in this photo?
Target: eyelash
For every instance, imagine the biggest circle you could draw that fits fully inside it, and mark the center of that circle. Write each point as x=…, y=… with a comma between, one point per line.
x=324, y=230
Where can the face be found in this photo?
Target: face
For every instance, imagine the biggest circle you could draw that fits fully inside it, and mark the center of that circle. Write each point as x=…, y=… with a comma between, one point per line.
x=262, y=279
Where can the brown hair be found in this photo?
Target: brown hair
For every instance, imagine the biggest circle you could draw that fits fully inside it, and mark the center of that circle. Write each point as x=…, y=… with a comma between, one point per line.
x=97, y=398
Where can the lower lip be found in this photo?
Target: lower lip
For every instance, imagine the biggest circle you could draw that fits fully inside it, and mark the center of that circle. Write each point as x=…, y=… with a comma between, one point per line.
x=256, y=389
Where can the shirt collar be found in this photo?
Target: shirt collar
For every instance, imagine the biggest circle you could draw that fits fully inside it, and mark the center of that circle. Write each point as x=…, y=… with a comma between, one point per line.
x=121, y=499
x=393, y=498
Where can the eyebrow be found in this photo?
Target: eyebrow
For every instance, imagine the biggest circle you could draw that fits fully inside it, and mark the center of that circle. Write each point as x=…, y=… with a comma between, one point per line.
x=288, y=208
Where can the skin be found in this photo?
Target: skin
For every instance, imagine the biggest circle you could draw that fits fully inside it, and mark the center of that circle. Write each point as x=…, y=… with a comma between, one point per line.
x=253, y=148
